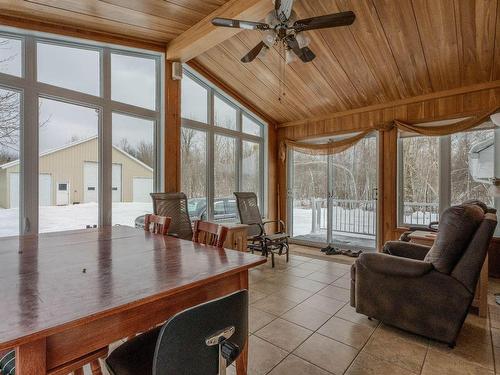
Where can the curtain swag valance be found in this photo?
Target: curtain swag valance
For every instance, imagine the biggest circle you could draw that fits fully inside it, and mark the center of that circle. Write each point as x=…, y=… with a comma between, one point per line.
x=335, y=147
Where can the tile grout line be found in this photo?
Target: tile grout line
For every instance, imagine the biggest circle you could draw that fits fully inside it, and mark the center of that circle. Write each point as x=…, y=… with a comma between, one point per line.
x=360, y=350
x=313, y=331
x=345, y=303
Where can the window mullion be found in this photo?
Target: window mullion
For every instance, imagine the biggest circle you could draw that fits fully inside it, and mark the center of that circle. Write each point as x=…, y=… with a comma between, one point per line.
x=400, y=182
x=29, y=145
x=210, y=156
x=105, y=145
x=444, y=173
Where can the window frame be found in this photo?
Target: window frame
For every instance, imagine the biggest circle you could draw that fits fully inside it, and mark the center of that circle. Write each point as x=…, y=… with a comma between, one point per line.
x=31, y=90
x=444, y=174
x=212, y=130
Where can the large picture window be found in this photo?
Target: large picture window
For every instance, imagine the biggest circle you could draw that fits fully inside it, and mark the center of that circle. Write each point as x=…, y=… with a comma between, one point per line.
x=221, y=151
x=89, y=116
x=436, y=172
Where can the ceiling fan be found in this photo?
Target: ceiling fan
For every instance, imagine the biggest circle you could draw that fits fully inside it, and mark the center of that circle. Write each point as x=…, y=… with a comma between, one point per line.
x=282, y=28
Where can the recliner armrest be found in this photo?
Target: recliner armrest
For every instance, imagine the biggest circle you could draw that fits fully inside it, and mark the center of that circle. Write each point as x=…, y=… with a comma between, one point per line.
x=406, y=249
x=393, y=265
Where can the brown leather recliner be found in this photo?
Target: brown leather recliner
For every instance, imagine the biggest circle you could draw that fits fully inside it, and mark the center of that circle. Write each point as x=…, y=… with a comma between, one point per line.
x=427, y=290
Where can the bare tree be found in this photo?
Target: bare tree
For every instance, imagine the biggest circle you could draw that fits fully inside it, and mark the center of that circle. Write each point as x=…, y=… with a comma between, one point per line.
x=9, y=125
x=143, y=151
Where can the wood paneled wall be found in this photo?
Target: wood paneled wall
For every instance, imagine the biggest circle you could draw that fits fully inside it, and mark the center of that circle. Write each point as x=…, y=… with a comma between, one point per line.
x=448, y=106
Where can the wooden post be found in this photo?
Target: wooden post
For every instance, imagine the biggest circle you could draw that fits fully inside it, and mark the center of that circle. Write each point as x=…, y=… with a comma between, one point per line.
x=172, y=131
x=387, y=187
x=31, y=358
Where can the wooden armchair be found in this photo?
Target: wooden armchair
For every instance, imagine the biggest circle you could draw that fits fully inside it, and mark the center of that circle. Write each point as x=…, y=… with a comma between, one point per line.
x=157, y=224
x=209, y=233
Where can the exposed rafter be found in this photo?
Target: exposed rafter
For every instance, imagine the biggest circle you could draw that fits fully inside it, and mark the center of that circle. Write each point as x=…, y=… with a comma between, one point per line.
x=203, y=35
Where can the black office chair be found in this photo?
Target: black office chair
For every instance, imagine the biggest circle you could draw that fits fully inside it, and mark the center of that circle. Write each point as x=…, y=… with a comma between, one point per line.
x=202, y=340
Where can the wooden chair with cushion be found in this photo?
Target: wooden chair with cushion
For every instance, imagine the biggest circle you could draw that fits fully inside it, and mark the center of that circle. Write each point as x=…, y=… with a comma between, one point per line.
x=157, y=224
x=209, y=233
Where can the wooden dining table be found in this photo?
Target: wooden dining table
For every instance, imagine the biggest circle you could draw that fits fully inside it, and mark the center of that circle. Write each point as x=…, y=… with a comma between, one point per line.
x=64, y=295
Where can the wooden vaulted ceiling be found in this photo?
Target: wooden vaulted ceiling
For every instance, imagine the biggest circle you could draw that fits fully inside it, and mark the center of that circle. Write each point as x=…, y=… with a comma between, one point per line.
x=395, y=49
x=152, y=21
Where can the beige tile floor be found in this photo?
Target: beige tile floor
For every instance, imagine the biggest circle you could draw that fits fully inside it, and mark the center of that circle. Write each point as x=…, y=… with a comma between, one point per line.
x=301, y=323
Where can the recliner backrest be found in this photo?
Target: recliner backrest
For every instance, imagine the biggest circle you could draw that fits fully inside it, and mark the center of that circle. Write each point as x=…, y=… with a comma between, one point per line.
x=457, y=227
x=468, y=268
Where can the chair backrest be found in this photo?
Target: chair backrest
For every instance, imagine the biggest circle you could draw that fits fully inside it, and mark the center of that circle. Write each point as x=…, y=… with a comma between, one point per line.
x=174, y=205
x=457, y=227
x=468, y=268
x=209, y=233
x=156, y=224
x=248, y=210
x=181, y=347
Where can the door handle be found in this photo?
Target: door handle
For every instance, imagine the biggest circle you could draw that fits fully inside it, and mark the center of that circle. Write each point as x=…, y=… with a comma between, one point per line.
x=27, y=225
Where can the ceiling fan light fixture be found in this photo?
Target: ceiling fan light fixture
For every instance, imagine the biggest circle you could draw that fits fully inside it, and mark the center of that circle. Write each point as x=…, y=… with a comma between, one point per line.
x=303, y=40
x=263, y=52
x=290, y=57
x=269, y=37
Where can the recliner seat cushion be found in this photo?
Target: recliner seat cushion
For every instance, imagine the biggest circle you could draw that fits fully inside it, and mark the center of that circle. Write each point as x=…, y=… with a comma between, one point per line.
x=456, y=228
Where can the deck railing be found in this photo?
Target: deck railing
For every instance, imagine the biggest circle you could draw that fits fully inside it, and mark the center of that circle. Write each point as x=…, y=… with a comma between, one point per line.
x=348, y=215
x=415, y=213
x=359, y=216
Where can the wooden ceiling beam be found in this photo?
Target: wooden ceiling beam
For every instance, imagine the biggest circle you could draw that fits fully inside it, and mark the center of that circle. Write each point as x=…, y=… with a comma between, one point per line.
x=203, y=35
x=414, y=99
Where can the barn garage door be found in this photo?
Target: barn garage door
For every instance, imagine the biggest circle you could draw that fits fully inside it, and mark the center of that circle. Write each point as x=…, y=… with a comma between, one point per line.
x=141, y=188
x=91, y=182
x=44, y=188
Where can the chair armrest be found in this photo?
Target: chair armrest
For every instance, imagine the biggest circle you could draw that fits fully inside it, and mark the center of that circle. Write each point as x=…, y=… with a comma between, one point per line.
x=394, y=266
x=406, y=249
x=281, y=226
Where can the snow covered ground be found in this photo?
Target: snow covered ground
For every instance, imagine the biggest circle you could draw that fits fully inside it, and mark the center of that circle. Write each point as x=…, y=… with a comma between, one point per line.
x=78, y=216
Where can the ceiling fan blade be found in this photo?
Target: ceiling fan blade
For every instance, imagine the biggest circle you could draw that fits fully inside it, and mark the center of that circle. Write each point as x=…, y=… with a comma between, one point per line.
x=305, y=53
x=283, y=9
x=250, y=56
x=322, y=22
x=239, y=24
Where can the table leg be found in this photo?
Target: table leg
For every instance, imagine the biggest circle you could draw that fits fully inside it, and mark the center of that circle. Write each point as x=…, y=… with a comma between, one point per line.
x=31, y=358
x=242, y=361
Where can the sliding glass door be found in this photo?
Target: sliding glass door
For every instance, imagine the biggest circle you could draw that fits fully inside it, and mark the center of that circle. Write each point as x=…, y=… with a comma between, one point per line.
x=308, y=197
x=353, y=195
x=332, y=199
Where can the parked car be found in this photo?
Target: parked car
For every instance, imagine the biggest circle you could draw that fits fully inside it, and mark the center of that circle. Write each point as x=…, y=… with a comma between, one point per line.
x=225, y=209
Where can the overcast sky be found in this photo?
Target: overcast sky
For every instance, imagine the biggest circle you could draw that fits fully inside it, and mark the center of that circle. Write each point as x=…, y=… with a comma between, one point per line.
x=133, y=82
